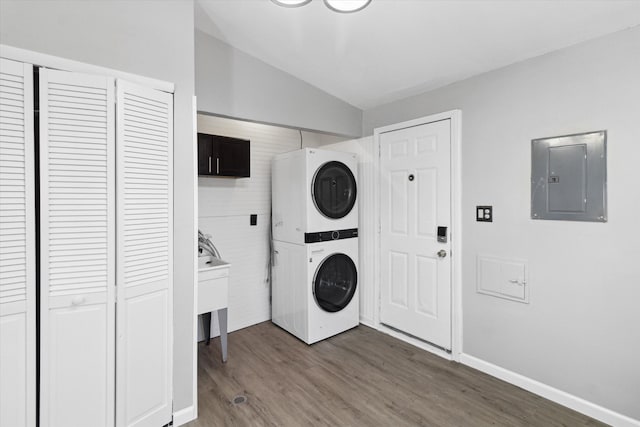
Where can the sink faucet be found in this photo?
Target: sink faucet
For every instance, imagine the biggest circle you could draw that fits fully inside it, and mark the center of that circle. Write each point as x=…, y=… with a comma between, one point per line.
x=205, y=244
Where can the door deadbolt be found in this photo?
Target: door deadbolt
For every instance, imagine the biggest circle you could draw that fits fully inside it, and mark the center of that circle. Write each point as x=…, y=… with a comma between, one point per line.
x=411, y=177
x=442, y=234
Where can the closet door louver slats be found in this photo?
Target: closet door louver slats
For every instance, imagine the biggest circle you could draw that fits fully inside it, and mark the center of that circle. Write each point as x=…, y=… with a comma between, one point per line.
x=144, y=255
x=17, y=246
x=78, y=249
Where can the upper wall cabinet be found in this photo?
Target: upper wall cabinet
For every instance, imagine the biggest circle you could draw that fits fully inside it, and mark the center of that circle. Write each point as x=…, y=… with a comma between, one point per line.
x=223, y=156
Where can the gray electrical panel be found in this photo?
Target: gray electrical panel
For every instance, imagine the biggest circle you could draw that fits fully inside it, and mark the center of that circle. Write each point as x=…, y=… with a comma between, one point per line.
x=569, y=177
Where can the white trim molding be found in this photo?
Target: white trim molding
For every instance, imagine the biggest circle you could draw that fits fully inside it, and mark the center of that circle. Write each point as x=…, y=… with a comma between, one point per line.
x=558, y=396
x=55, y=62
x=194, y=374
x=456, y=233
x=185, y=415
x=367, y=322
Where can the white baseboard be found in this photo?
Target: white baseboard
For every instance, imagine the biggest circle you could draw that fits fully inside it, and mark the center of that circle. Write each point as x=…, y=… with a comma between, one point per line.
x=367, y=322
x=185, y=415
x=565, y=399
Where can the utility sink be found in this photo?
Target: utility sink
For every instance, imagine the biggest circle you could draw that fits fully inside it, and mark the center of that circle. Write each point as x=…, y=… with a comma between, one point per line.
x=211, y=263
x=213, y=284
x=213, y=295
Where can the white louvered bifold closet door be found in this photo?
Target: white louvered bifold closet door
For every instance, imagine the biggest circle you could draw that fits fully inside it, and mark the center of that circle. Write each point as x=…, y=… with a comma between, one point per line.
x=144, y=183
x=17, y=246
x=77, y=277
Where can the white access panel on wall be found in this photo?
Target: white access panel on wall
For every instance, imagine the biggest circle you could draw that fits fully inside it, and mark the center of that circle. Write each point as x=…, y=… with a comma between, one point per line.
x=502, y=278
x=144, y=255
x=17, y=246
x=77, y=319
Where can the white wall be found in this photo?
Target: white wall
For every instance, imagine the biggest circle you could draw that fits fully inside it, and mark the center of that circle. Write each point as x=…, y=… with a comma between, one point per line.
x=225, y=205
x=232, y=83
x=153, y=39
x=580, y=333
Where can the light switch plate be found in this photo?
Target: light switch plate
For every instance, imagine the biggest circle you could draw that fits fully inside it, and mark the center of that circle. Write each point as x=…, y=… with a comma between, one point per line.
x=484, y=213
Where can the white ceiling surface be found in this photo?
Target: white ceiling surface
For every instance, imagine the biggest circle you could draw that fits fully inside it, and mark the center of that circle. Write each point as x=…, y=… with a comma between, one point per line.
x=398, y=48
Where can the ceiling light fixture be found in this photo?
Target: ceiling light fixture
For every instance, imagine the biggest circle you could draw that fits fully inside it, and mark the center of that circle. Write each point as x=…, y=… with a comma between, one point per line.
x=341, y=6
x=346, y=6
x=291, y=3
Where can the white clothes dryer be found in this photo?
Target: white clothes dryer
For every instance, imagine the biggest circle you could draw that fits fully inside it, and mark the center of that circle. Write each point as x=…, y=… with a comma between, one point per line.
x=315, y=292
x=313, y=191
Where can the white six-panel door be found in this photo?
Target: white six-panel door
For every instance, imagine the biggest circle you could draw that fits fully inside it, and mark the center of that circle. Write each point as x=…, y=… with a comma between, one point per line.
x=17, y=246
x=415, y=199
x=77, y=203
x=144, y=255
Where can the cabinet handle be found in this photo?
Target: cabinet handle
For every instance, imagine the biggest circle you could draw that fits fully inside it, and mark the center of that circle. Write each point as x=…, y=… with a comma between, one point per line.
x=217, y=164
x=209, y=164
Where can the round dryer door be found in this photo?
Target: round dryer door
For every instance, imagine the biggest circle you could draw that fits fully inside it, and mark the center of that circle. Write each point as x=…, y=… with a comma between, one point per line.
x=335, y=282
x=334, y=190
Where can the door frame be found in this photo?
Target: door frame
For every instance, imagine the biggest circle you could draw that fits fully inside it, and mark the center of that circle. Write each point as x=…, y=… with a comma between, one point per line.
x=456, y=233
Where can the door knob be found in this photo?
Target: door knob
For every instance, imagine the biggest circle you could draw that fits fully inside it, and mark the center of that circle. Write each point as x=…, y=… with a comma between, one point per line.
x=442, y=253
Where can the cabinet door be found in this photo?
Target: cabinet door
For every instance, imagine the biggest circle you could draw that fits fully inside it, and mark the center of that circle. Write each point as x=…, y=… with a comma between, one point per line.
x=206, y=158
x=232, y=156
x=77, y=303
x=17, y=246
x=144, y=185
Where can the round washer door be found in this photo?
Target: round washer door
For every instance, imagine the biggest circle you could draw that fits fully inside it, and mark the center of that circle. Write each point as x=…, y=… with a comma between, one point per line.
x=335, y=282
x=334, y=190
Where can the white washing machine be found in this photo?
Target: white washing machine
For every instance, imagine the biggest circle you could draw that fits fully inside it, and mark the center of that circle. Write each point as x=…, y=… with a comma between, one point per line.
x=312, y=191
x=315, y=292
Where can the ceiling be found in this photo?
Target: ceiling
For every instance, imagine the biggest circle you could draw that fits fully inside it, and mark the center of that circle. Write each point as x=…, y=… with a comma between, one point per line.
x=398, y=48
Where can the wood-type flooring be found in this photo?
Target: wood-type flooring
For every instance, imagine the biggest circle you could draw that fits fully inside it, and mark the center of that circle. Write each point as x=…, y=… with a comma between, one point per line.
x=359, y=378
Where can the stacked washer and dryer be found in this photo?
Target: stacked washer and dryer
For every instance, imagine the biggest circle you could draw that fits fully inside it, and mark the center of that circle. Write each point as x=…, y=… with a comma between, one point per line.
x=315, y=243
